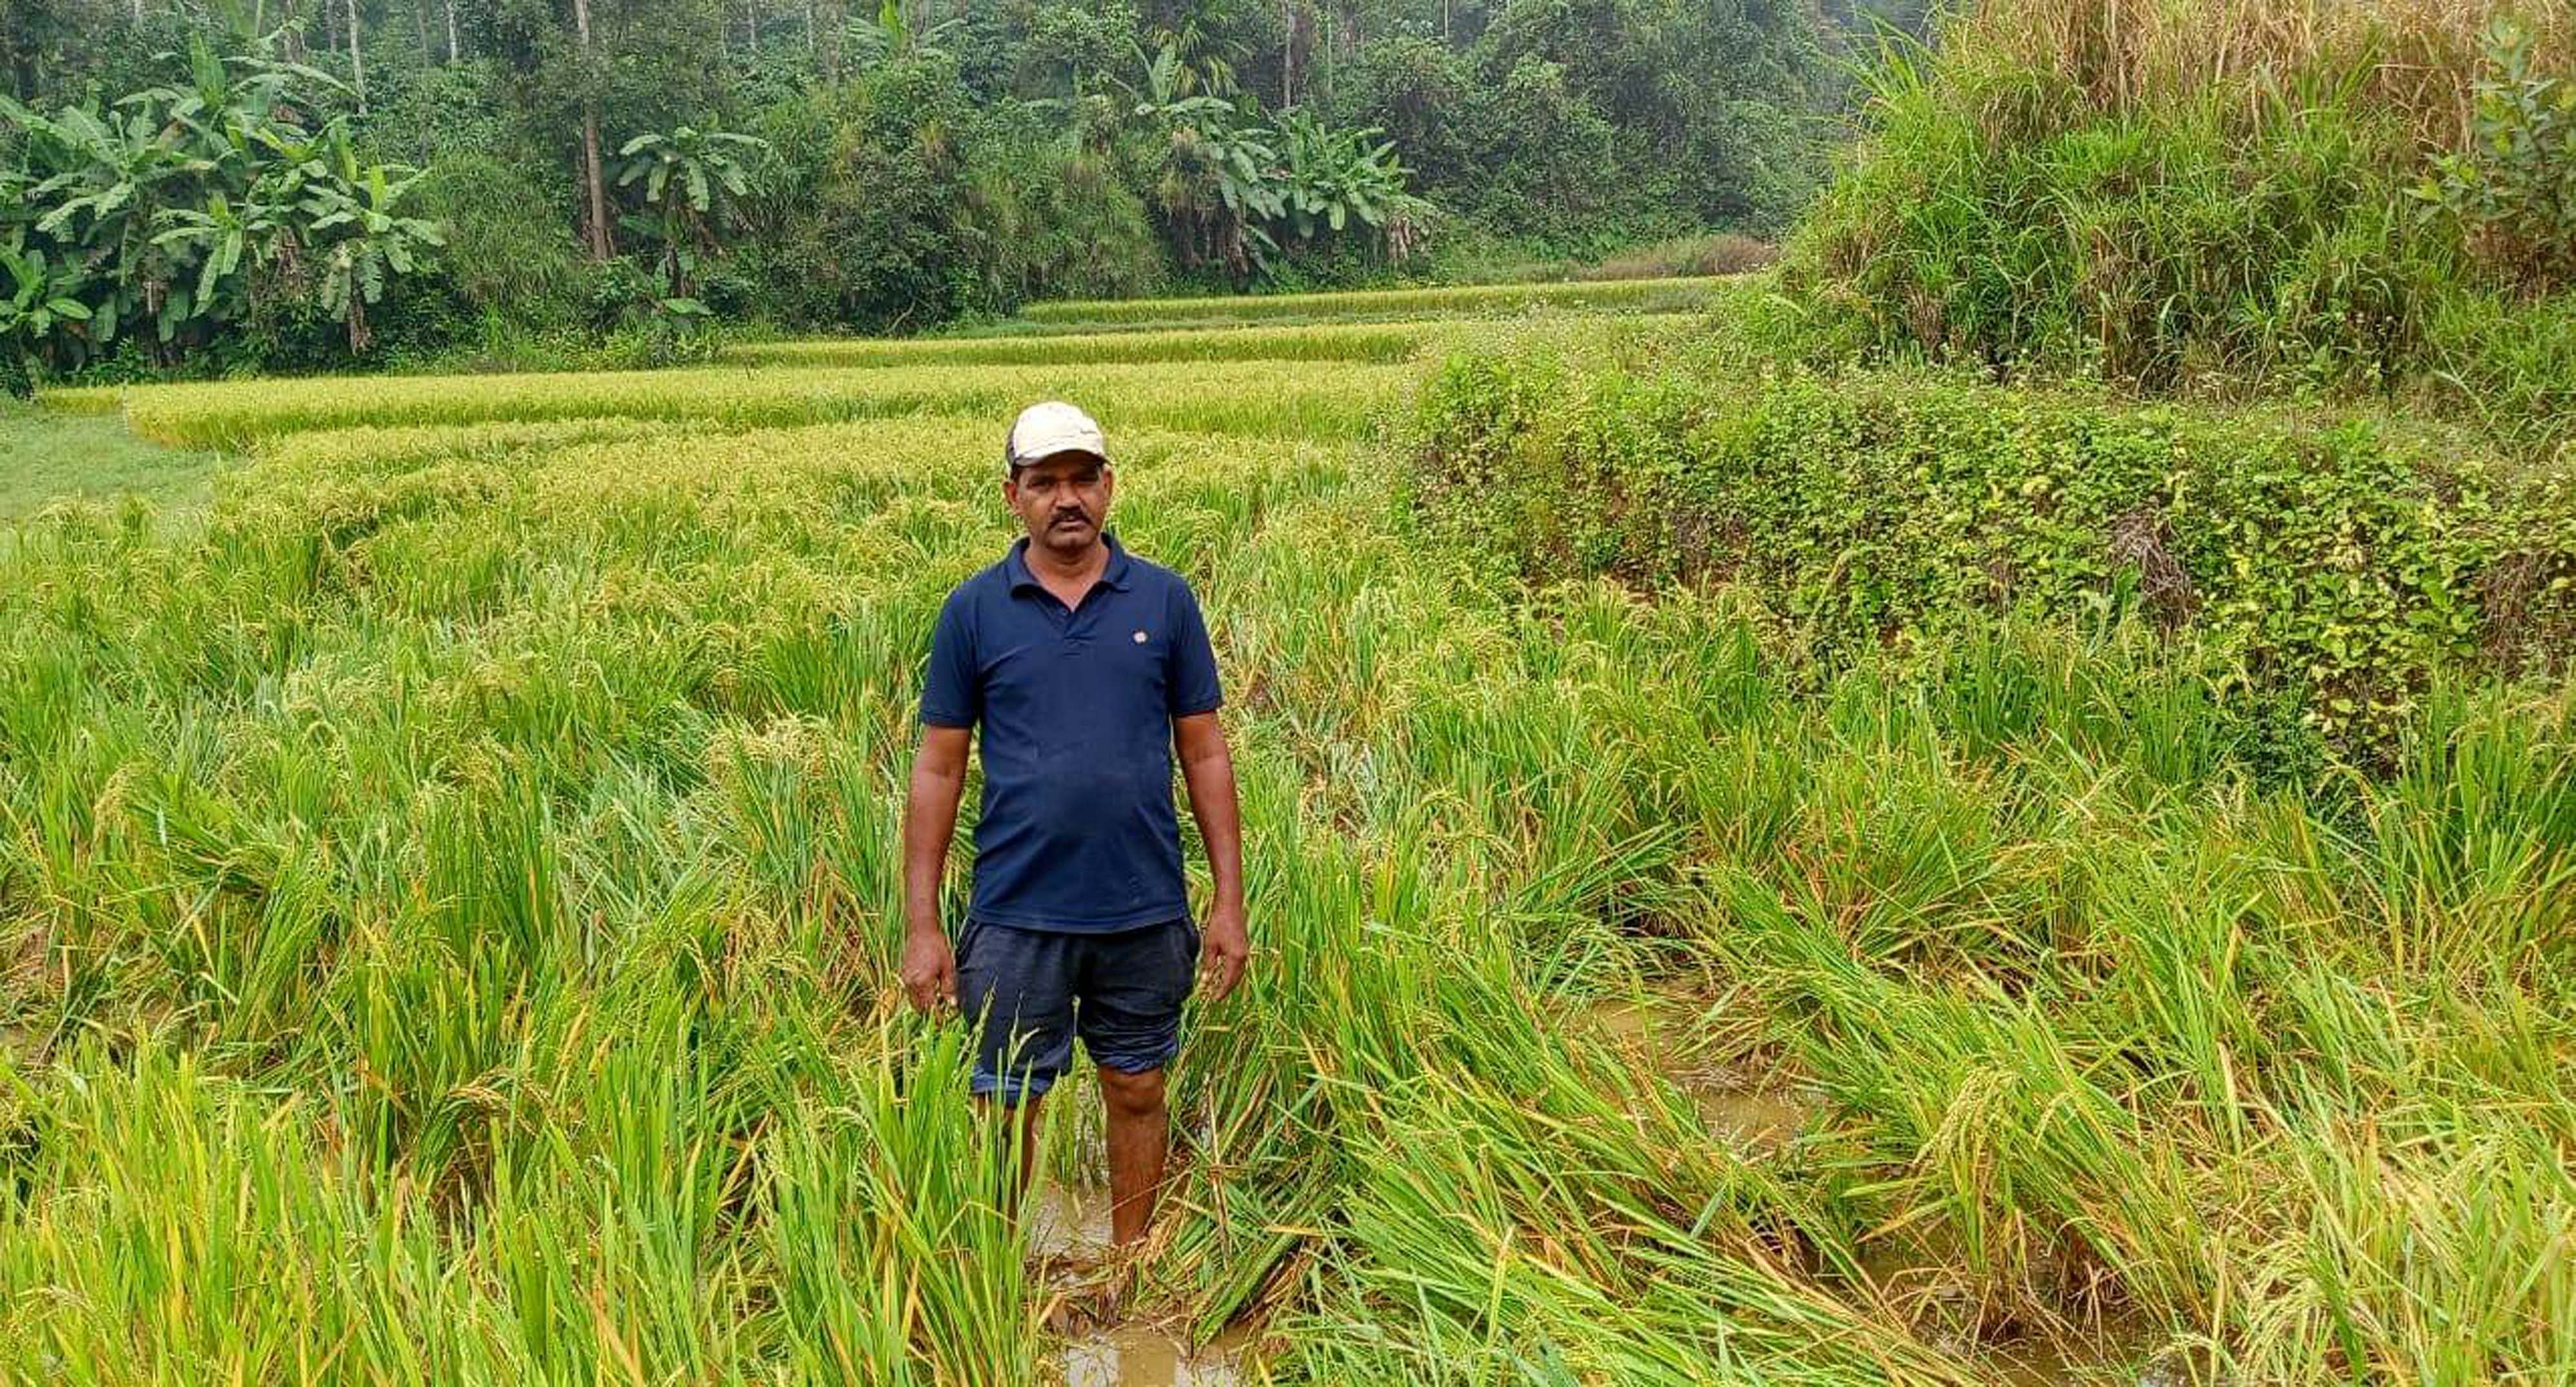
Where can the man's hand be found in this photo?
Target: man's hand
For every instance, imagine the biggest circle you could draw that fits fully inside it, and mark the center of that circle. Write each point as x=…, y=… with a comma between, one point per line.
x=1224, y=945
x=929, y=971
x=1207, y=768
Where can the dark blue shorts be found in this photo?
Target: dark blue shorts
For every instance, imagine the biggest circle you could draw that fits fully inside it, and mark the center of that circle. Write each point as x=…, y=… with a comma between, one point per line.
x=1033, y=991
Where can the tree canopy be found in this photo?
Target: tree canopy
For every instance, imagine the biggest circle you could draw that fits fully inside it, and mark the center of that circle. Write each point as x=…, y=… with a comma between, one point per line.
x=292, y=181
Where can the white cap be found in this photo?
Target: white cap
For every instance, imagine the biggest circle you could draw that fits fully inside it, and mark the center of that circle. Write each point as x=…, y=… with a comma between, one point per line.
x=1047, y=428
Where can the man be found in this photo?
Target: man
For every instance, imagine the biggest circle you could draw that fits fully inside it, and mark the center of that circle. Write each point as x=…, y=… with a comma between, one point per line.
x=1086, y=667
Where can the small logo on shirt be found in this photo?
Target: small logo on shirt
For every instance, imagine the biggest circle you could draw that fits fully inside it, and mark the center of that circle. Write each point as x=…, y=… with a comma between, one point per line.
x=1140, y=638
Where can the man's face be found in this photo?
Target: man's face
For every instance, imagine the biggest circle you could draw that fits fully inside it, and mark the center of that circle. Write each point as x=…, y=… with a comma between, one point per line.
x=1062, y=501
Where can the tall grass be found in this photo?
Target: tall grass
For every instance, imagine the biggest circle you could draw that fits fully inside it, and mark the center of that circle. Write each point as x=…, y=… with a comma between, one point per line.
x=2416, y=59
x=2209, y=198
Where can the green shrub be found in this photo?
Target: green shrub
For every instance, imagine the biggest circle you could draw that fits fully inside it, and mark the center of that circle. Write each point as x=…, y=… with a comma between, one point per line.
x=2339, y=561
x=2152, y=248
x=2513, y=187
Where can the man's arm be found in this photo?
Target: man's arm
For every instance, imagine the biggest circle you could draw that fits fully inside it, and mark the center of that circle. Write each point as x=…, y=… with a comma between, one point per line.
x=1208, y=768
x=929, y=821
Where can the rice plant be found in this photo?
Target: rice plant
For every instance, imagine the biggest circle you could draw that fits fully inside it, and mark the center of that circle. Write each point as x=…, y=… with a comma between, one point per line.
x=449, y=895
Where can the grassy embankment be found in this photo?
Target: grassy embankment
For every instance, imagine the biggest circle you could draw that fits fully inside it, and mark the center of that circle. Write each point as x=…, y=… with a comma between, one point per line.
x=2321, y=197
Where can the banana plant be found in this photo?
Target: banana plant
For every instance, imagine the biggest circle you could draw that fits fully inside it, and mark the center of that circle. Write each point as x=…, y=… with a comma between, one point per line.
x=225, y=242
x=227, y=103
x=106, y=179
x=360, y=237
x=693, y=178
x=182, y=204
x=1337, y=177
x=43, y=300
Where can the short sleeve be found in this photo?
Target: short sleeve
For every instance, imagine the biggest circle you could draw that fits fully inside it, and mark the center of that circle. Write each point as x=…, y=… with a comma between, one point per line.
x=951, y=696
x=1192, y=680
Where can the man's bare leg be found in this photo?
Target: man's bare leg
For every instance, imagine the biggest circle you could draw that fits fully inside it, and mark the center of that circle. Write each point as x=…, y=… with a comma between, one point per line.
x=1138, y=1131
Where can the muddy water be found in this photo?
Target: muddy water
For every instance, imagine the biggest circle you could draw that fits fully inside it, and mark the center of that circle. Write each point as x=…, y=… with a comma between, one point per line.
x=1068, y=1243
x=1925, y=1285
x=2118, y=1359
x=1068, y=1226
x=1134, y=1356
x=1655, y=1032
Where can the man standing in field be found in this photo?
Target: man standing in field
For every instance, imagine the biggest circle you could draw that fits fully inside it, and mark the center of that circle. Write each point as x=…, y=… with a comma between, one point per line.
x=1086, y=668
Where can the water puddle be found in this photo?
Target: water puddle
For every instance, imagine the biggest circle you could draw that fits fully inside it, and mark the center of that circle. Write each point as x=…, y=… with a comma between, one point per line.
x=1068, y=1227
x=1134, y=1356
x=1655, y=1032
x=2116, y=1358
x=1069, y=1252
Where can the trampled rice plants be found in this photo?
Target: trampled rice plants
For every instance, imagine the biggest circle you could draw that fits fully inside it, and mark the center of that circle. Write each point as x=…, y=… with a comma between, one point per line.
x=449, y=898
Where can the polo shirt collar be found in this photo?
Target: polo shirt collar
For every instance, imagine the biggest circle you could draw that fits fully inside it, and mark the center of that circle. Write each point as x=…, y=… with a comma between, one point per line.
x=1015, y=564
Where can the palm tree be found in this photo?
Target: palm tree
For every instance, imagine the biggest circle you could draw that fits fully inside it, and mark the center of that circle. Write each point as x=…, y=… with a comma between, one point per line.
x=694, y=177
x=221, y=237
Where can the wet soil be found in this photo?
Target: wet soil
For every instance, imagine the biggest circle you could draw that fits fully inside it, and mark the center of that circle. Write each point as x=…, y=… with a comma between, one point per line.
x=1068, y=1227
x=2111, y=1345
x=2119, y=1357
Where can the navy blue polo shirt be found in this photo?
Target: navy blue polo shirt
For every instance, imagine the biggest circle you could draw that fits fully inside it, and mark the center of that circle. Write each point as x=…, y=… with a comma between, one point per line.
x=1077, y=833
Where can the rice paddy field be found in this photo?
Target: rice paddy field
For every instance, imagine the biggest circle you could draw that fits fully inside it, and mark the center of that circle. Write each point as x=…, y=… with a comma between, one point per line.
x=449, y=897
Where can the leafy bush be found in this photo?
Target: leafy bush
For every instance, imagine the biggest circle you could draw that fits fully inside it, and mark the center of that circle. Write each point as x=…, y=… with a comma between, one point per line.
x=511, y=247
x=899, y=201
x=2341, y=562
x=2513, y=187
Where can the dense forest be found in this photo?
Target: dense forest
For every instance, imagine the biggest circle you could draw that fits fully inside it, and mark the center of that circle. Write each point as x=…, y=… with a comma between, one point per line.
x=219, y=184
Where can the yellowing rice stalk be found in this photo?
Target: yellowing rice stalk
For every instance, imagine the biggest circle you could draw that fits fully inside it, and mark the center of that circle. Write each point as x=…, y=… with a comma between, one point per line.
x=449, y=898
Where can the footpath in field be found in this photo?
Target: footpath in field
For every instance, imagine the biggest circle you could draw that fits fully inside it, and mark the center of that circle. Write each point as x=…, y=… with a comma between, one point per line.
x=448, y=905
